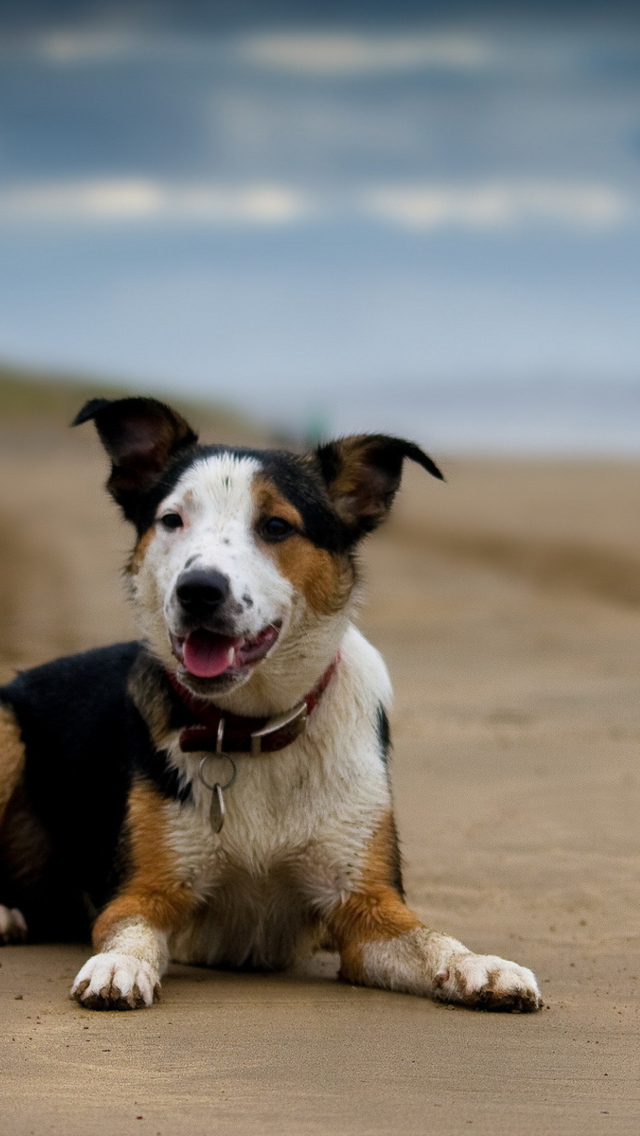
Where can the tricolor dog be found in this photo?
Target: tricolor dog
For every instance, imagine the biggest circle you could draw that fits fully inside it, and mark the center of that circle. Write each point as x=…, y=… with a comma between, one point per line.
x=218, y=793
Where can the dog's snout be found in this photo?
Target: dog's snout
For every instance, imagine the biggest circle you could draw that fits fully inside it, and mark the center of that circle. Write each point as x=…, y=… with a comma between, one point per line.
x=202, y=593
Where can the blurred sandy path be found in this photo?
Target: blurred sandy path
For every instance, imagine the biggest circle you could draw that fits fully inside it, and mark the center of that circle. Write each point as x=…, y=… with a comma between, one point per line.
x=516, y=724
x=61, y=549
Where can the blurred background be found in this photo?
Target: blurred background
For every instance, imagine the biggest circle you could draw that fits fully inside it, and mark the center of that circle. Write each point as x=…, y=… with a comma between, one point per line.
x=302, y=220
x=416, y=217
x=421, y=218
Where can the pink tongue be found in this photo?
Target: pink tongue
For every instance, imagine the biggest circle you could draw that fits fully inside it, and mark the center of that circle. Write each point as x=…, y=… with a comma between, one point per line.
x=207, y=655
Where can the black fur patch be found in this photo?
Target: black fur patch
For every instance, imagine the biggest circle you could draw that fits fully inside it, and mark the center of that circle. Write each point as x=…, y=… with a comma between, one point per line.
x=141, y=436
x=384, y=734
x=85, y=743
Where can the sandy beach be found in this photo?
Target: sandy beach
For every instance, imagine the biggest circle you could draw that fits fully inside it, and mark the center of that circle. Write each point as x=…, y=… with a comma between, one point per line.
x=507, y=605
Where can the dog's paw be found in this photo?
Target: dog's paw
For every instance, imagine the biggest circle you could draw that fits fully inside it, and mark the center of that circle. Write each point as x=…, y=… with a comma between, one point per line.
x=13, y=928
x=486, y=982
x=113, y=981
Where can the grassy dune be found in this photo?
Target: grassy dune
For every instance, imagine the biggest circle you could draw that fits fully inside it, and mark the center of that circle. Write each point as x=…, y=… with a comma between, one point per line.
x=54, y=397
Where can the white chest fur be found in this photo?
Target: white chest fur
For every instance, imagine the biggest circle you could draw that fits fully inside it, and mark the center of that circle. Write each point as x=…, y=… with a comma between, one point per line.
x=297, y=823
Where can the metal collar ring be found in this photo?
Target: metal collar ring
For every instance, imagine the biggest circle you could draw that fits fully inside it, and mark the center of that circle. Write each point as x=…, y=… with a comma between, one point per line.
x=215, y=757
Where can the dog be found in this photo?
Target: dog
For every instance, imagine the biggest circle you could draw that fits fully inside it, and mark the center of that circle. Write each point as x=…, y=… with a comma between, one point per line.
x=218, y=793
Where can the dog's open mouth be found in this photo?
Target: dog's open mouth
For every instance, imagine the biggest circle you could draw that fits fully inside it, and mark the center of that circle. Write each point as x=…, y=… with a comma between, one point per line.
x=205, y=654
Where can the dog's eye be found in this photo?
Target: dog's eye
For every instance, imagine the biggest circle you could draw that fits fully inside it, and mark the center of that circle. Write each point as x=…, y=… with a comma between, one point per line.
x=276, y=528
x=171, y=521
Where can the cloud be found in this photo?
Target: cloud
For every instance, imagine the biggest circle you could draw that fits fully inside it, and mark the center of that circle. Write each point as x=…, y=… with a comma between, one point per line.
x=343, y=54
x=312, y=53
x=139, y=200
x=498, y=205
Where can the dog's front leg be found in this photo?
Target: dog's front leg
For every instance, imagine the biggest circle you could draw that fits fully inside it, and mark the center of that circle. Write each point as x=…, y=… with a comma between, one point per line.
x=125, y=973
x=130, y=935
x=383, y=943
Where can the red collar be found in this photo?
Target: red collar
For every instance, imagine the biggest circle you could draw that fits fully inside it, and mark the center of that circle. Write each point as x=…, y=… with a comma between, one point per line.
x=219, y=731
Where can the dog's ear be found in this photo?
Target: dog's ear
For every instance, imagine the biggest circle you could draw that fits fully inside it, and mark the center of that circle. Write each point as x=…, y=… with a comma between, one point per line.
x=362, y=474
x=141, y=436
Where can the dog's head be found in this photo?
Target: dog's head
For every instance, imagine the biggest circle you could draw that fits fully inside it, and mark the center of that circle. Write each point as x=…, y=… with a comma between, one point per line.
x=239, y=551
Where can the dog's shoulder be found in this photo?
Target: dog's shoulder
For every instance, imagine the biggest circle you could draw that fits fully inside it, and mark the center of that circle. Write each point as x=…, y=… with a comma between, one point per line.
x=86, y=746
x=364, y=664
x=362, y=691
x=82, y=734
x=62, y=701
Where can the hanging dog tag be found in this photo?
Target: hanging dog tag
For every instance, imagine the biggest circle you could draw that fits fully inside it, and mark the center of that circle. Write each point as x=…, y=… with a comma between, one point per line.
x=217, y=808
x=217, y=811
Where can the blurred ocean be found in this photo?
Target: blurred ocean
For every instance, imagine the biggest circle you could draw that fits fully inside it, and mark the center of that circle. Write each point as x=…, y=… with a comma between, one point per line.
x=507, y=418
x=284, y=207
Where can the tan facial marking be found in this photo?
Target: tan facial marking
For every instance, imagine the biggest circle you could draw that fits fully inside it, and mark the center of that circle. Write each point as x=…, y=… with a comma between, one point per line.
x=155, y=890
x=270, y=502
x=375, y=911
x=140, y=550
x=324, y=578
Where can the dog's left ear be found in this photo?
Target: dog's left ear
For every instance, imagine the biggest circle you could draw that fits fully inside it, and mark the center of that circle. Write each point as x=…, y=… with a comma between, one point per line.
x=362, y=474
x=141, y=436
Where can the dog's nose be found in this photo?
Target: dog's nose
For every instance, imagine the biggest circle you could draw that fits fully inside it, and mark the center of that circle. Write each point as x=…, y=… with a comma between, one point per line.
x=201, y=593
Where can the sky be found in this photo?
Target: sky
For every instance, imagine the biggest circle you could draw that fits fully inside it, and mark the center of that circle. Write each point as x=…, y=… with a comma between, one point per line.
x=418, y=217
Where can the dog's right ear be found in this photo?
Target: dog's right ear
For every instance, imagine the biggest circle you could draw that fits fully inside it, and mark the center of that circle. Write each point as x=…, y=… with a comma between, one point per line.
x=141, y=436
x=362, y=475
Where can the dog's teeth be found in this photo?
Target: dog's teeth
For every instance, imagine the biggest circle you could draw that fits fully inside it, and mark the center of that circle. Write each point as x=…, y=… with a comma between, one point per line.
x=231, y=657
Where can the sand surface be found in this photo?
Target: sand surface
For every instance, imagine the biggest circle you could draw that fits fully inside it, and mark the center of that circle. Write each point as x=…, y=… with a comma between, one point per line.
x=507, y=604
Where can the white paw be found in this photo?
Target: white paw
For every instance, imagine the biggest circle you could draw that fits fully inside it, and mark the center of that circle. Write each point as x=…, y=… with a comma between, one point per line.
x=486, y=982
x=13, y=928
x=113, y=981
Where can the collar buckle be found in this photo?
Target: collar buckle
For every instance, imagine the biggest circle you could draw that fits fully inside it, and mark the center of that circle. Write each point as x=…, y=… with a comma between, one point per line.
x=220, y=738
x=296, y=717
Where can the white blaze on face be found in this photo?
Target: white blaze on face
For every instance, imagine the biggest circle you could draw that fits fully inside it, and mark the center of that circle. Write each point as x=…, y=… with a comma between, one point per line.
x=215, y=500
